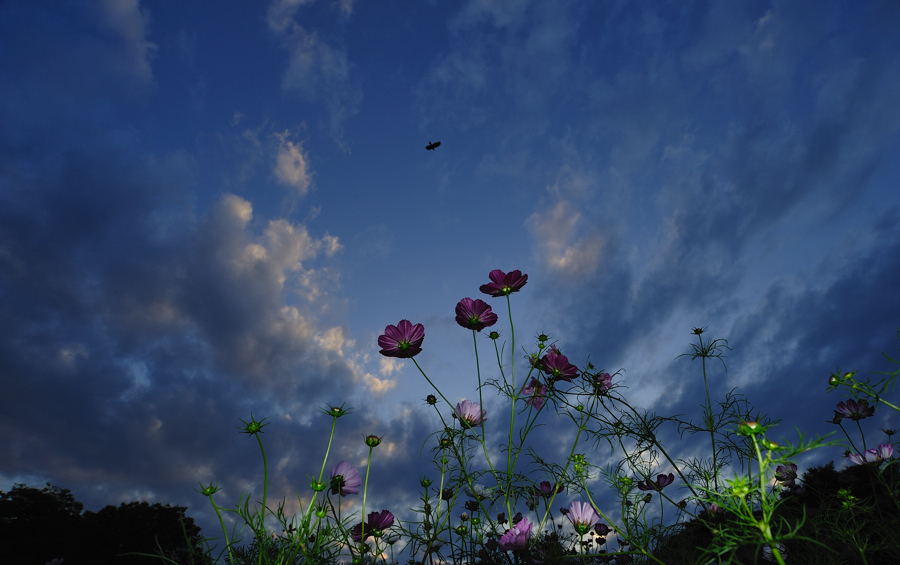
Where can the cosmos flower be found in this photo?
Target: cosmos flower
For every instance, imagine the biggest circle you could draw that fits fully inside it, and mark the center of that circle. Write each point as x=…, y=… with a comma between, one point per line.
x=345, y=479
x=504, y=284
x=602, y=529
x=557, y=366
x=536, y=393
x=880, y=453
x=602, y=382
x=583, y=516
x=854, y=409
x=474, y=314
x=786, y=474
x=470, y=414
x=479, y=491
x=516, y=537
x=403, y=340
x=661, y=482
x=377, y=523
x=547, y=490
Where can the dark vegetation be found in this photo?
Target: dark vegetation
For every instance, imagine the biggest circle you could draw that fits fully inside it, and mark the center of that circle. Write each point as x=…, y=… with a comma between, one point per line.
x=849, y=517
x=37, y=526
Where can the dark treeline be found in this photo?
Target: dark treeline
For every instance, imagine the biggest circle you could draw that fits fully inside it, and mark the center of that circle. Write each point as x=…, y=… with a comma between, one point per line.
x=37, y=526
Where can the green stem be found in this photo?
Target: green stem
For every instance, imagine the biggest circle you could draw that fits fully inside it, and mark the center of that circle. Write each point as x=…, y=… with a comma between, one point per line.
x=224, y=529
x=712, y=435
x=365, y=492
x=436, y=389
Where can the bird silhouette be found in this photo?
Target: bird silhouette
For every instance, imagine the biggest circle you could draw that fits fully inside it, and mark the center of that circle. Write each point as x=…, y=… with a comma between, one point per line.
x=431, y=146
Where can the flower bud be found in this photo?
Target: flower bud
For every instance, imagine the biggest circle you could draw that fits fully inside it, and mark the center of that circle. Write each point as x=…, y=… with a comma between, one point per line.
x=425, y=482
x=447, y=494
x=749, y=428
x=318, y=486
x=461, y=530
x=494, y=335
x=373, y=440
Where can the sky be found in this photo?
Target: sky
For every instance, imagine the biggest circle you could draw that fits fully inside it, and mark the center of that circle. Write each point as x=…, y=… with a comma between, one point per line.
x=212, y=210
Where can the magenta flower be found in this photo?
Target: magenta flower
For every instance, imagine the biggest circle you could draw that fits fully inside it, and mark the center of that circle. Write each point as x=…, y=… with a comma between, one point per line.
x=602, y=529
x=504, y=284
x=547, y=490
x=661, y=482
x=377, y=523
x=403, y=340
x=602, y=382
x=474, y=314
x=557, y=366
x=882, y=452
x=516, y=537
x=536, y=393
x=786, y=474
x=345, y=479
x=853, y=409
x=583, y=516
x=470, y=414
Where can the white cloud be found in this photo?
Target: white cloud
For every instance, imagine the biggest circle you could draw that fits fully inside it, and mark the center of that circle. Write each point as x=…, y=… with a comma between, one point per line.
x=560, y=245
x=291, y=165
x=389, y=366
x=378, y=386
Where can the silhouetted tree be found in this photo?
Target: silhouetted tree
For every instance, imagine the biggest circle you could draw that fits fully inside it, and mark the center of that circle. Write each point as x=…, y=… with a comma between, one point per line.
x=39, y=525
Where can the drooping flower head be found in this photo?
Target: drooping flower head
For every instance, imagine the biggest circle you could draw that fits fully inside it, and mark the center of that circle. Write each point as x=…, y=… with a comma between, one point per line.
x=536, y=393
x=504, y=284
x=546, y=490
x=583, y=516
x=403, y=340
x=557, y=366
x=786, y=474
x=854, y=409
x=661, y=482
x=474, y=314
x=345, y=479
x=602, y=529
x=376, y=525
x=880, y=453
x=470, y=414
x=516, y=537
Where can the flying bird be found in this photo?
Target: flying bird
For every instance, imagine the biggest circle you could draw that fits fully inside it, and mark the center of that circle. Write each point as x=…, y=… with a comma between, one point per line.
x=432, y=146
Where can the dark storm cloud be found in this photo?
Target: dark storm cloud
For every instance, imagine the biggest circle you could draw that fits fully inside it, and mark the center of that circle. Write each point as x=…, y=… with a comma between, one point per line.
x=137, y=329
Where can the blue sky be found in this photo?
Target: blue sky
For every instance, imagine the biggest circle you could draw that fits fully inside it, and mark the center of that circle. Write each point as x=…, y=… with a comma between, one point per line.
x=208, y=210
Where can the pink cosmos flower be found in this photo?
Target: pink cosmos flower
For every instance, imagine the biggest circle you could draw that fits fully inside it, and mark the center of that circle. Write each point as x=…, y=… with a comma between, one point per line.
x=547, y=490
x=377, y=523
x=536, y=393
x=516, y=537
x=504, y=284
x=880, y=453
x=583, y=516
x=403, y=340
x=661, y=482
x=786, y=474
x=557, y=366
x=474, y=314
x=470, y=414
x=345, y=479
x=854, y=409
x=602, y=382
